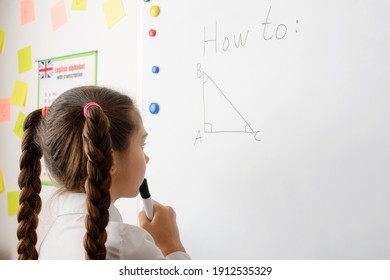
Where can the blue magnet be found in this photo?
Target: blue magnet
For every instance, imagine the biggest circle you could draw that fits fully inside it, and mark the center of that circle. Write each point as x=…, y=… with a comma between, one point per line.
x=155, y=69
x=154, y=108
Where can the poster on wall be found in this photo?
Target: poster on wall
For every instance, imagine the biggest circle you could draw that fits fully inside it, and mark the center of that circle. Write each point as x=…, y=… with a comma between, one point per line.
x=58, y=74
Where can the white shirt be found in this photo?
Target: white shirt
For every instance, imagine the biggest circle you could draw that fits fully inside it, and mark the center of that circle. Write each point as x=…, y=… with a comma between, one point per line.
x=62, y=231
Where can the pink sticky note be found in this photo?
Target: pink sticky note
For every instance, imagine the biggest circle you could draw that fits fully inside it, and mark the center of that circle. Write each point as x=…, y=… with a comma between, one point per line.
x=27, y=11
x=5, y=110
x=58, y=15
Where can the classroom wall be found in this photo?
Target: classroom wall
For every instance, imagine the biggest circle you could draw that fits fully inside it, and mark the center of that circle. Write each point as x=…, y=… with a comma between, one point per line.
x=316, y=184
x=82, y=31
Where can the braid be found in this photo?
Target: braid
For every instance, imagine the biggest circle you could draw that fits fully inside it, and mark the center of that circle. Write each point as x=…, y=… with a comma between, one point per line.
x=30, y=186
x=97, y=146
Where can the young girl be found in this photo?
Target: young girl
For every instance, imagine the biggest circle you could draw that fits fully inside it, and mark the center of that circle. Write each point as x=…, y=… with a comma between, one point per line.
x=91, y=139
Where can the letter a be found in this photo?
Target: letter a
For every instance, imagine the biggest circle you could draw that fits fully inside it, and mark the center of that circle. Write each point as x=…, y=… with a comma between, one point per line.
x=198, y=137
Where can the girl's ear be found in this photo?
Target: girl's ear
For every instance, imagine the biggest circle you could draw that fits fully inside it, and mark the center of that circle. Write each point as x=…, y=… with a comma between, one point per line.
x=114, y=167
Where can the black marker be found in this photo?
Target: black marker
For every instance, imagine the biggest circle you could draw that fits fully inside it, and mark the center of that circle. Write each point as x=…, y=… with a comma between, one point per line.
x=147, y=199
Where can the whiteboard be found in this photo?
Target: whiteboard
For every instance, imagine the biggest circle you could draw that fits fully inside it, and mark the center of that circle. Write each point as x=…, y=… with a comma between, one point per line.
x=272, y=139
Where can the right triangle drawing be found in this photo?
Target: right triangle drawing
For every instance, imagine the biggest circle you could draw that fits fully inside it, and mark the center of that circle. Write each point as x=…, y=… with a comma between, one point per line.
x=220, y=114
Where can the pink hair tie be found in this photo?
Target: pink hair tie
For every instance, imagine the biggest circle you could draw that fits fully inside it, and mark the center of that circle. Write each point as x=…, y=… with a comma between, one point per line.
x=44, y=111
x=86, y=107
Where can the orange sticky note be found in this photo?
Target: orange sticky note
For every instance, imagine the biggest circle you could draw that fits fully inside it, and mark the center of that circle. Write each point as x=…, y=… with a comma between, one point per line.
x=13, y=203
x=5, y=110
x=24, y=59
x=18, y=129
x=58, y=15
x=27, y=12
x=113, y=11
x=2, y=37
x=19, y=95
x=2, y=185
x=79, y=5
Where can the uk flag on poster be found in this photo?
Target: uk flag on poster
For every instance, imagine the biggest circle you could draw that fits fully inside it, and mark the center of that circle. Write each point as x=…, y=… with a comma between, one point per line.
x=45, y=69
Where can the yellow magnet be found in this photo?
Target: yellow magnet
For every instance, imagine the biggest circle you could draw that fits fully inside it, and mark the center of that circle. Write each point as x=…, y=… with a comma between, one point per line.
x=154, y=11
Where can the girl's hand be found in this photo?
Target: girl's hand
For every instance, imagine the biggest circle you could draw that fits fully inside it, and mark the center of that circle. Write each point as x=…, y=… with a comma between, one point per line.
x=163, y=228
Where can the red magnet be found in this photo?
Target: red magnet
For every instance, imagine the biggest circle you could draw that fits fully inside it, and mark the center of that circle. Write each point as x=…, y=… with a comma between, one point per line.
x=152, y=32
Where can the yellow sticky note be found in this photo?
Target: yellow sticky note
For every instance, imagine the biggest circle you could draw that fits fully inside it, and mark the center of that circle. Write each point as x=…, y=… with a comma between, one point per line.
x=13, y=203
x=2, y=185
x=2, y=37
x=24, y=59
x=114, y=12
x=79, y=5
x=18, y=129
x=58, y=15
x=5, y=110
x=27, y=12
x=19, y=95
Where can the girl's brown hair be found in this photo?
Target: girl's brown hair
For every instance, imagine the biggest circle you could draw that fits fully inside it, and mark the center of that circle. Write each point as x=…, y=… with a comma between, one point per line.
x=77, y=151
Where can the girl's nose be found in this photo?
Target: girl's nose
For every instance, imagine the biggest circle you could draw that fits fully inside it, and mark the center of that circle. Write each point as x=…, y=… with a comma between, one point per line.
x=146, y=158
